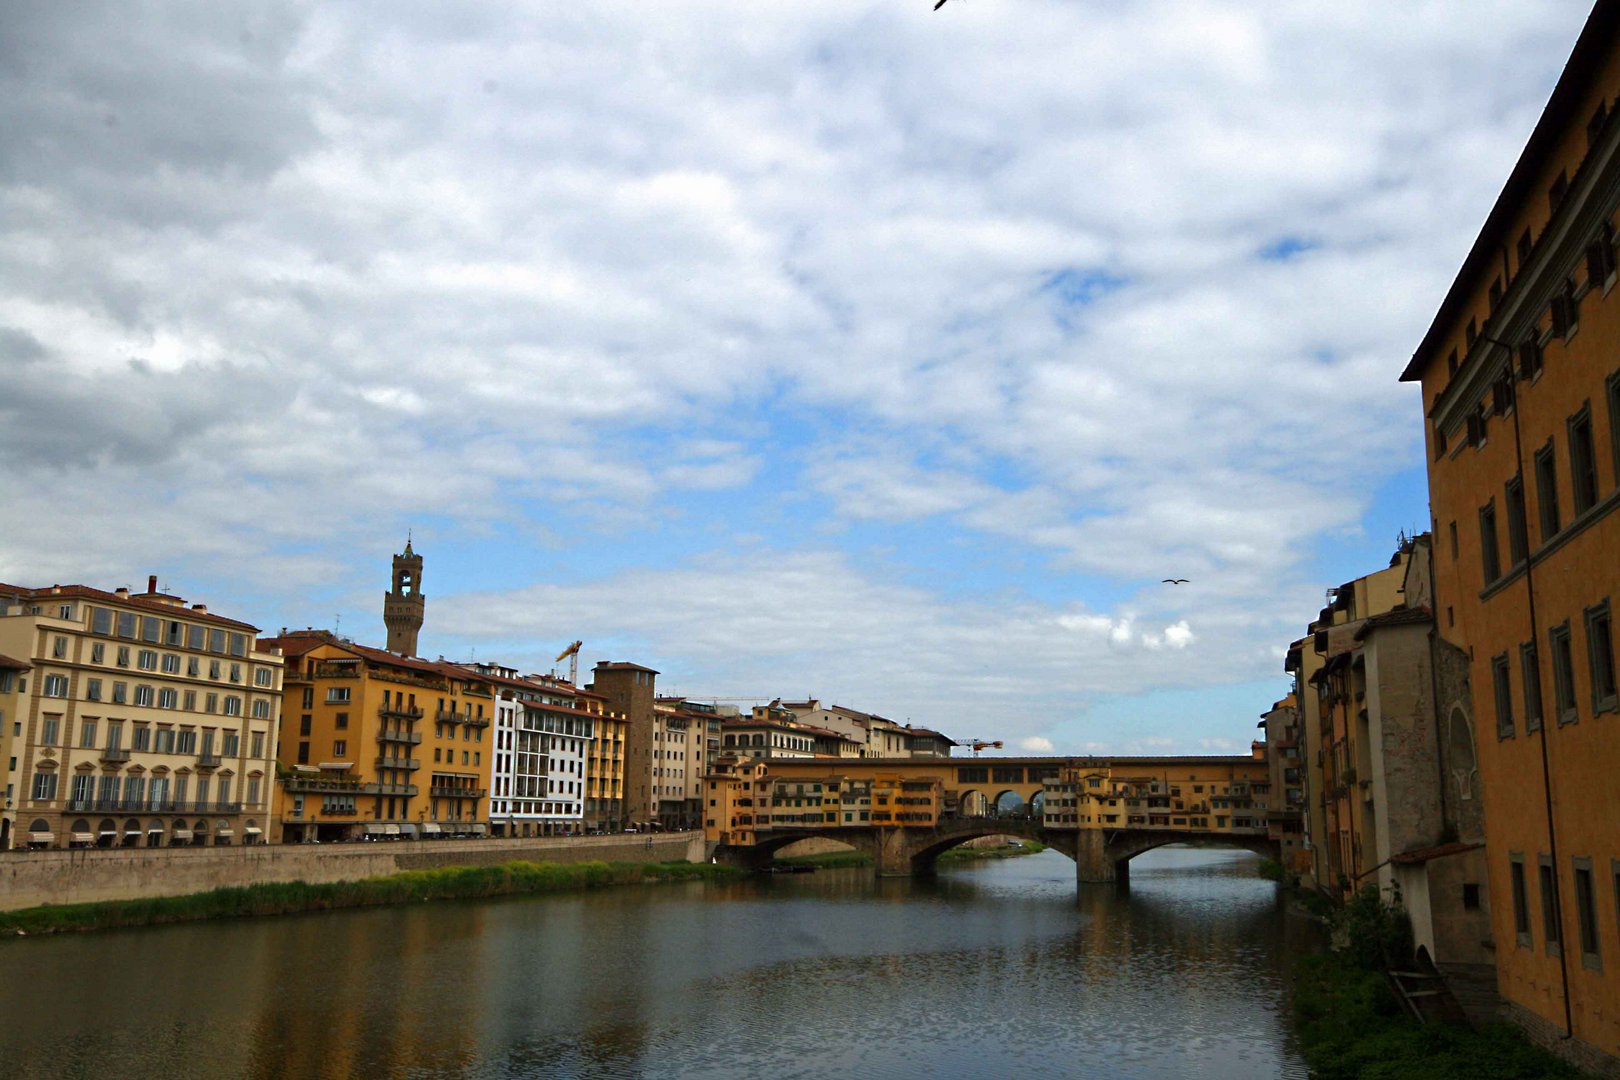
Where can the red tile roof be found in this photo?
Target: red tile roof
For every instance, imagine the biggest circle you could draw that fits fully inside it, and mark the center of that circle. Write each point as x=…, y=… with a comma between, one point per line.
x=8, y=664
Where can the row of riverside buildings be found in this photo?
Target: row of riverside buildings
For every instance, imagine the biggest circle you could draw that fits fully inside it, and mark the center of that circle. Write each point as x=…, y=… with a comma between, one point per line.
x=138, y=720
x=1453, y=735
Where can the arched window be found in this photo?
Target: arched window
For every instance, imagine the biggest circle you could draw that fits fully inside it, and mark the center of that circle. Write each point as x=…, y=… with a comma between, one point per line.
x=1463, y=763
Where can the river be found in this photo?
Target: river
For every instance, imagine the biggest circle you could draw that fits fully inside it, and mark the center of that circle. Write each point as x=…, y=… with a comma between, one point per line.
x=991, y=970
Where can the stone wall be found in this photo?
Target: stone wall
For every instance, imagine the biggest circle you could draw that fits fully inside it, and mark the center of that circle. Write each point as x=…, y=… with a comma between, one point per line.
x=31, y=878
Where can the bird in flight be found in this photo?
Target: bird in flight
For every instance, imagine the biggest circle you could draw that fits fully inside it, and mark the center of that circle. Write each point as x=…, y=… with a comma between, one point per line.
x=939, y=5
x=1175, y=581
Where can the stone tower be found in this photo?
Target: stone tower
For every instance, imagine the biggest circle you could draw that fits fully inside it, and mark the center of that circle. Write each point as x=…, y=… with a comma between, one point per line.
x=402, y=606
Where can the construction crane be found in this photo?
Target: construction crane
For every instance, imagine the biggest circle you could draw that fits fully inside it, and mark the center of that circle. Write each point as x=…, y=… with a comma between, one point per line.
x=572, y=653
x=983, y=744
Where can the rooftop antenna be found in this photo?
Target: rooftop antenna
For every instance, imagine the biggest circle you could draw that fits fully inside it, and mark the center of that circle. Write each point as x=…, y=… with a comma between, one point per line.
x=337, y=623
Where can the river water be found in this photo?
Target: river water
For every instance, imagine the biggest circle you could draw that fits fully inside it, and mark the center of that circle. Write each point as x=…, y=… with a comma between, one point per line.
x=991, y=970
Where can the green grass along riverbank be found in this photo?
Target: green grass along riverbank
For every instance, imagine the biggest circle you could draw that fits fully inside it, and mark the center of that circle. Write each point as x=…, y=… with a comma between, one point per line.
x=410, y=886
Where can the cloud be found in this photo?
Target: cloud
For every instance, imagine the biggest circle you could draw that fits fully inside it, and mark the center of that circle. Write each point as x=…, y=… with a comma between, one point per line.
x=1036, y=744
x=774, y=339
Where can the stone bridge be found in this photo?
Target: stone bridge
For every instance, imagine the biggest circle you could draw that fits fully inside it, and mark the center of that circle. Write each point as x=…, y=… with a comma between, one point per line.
x=1101, y=856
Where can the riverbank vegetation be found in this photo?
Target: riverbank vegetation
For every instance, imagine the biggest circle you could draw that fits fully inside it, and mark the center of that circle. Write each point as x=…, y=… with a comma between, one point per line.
x=1352, y=1028
x=1005, y=851
x=834, y=860
x=411, y=886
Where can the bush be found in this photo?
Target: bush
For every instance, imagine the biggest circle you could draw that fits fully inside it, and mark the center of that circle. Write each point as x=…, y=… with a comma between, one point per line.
x=1351, y=1028
x=1377, y=932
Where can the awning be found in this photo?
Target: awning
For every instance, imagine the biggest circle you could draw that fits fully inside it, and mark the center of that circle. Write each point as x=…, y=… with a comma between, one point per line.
x=430, y=829
x=390, y=830
x=132, y=832
x=480, y=830
x=41, y=838
x=83, y=838
x=407, y=830
x=373, y=829
x=226, y=832
x=182, y=834
x=252, y=830
x=154, y=828
x=340, y=765
x=108, y=832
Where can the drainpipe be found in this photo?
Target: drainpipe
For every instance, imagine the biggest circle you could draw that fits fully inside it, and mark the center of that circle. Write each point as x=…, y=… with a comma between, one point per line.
x=1535, y=637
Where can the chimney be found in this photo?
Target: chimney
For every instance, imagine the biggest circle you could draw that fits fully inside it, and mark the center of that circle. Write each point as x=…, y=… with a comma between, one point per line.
x=201, y=609
x=122, y=592
x=151, y=583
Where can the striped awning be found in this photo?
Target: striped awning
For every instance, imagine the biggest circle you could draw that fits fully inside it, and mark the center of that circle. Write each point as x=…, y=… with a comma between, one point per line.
x=374, y=829
x=41, y=838
x=182, y=834
x=84, y=838
x=226, y=832
x=391, y=830
x=430, y=828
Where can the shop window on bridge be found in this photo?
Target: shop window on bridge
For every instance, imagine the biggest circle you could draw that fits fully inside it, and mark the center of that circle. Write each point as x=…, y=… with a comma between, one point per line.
x=976, y=775
x=1008, y=774
x=1037, y=773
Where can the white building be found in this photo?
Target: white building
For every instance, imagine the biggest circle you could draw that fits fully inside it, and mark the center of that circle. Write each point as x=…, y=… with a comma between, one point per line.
x=542, y=737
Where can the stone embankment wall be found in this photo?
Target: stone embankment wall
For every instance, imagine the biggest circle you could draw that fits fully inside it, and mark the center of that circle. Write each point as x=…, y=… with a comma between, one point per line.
x=31, y=878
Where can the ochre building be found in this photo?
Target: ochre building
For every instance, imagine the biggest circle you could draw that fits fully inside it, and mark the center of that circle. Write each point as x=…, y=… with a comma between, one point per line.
x=139, y=721
x=1520, y=375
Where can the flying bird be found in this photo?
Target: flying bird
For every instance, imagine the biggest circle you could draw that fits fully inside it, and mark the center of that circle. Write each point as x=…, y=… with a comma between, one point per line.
x=939, y=5
x=1175, y=581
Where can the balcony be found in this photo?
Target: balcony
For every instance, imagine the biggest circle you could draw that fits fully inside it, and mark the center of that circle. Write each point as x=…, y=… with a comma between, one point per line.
x=123, y=806
x=208, y=761
x=442, y=717
x=400, y=712
x=475, y=721
x=408, y=763
x=389, y=789
x=319, y=784
x=209, y=806
x=446, y=791
x=398, y=735
x=115, y=755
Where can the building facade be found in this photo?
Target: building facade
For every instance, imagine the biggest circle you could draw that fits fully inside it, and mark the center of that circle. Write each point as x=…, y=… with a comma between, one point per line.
x=1521, y=394
x=143, y=721
x=377, y=744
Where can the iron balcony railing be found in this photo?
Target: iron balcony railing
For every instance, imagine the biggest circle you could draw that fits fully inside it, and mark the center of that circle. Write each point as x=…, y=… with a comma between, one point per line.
x=398, y=763
x=409, y=738
x=209, y=761
x=403, y=712
x=446, y=791
x=115, y=754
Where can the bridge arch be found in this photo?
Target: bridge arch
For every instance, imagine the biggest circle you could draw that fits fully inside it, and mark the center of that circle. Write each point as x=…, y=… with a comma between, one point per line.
x=973, y=803
x=1010, y=803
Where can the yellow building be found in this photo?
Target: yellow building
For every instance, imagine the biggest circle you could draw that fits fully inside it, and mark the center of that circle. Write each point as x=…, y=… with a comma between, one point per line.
x=604, y=767
x=746, y=795
x=143, y=722
x=1521, y=394
x=380, y=744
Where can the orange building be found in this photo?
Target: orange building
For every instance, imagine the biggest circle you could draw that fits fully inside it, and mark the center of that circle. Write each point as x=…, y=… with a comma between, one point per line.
x=1520, y=373
x=374, y=743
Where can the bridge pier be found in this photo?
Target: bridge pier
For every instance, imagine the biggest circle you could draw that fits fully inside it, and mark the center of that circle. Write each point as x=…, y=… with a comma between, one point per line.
x=1092, y=863
x=892, y=854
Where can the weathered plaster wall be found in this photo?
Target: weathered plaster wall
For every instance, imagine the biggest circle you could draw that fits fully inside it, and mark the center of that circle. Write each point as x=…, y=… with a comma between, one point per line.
x=31, y=878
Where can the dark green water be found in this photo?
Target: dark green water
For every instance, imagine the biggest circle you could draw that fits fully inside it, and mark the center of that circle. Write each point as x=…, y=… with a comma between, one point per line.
x=992, y=970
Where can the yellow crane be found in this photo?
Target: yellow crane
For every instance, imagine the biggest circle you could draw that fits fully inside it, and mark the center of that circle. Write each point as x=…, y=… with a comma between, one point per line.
x=572, y=653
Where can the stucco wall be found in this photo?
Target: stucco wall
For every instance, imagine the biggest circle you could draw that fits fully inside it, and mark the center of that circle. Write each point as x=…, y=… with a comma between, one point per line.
x=30, y=878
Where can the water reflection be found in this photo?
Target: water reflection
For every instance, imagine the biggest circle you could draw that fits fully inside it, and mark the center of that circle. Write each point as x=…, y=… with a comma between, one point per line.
x=989, y=970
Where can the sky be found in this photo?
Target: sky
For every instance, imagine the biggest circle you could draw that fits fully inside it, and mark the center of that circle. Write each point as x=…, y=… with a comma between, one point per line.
x=847, y=349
